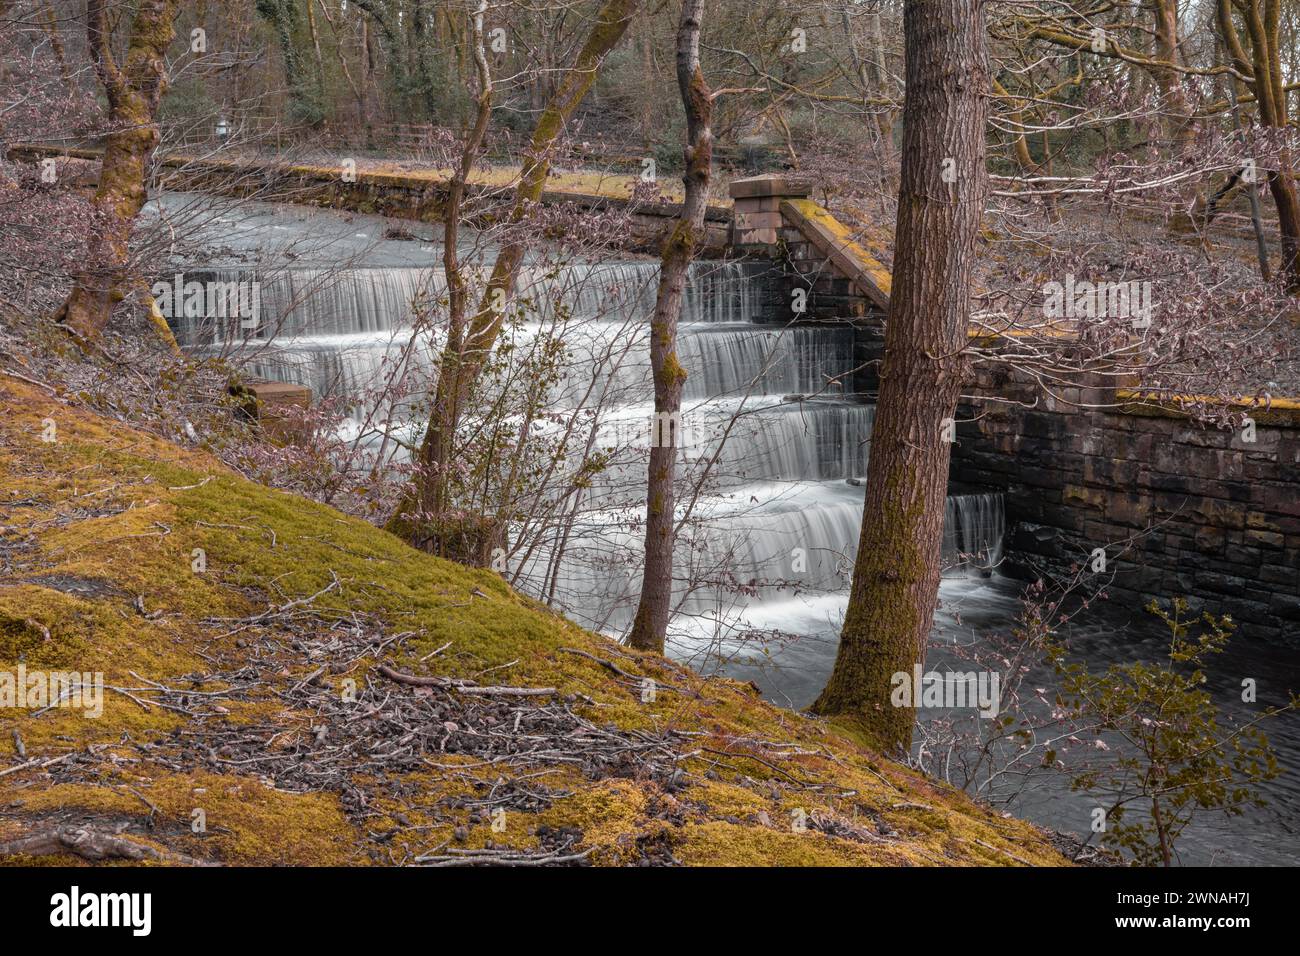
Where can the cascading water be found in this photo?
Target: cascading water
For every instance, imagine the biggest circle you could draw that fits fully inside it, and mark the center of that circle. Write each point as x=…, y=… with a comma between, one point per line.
x=771, y=439
x=974, y=526
x=764, y=564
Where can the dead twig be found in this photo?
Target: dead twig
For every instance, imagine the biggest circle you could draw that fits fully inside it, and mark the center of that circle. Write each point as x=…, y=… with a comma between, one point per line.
x=93, y=846
x=463, y=686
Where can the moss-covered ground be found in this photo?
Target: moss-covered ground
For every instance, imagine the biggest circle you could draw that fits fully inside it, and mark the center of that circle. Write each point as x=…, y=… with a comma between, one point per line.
x=238, y=624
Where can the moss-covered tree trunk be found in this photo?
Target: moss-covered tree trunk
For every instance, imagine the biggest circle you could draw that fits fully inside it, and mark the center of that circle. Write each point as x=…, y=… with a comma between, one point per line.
x=941, y=199
x=651, y=623
x=133, y=91
x=459, y=371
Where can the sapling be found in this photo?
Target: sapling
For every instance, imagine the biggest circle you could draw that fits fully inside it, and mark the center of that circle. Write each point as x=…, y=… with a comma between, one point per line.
x=1172, y=757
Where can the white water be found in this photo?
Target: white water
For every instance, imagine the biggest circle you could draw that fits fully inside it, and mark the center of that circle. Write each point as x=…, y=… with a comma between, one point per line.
x=765, y=414
x=778, y=523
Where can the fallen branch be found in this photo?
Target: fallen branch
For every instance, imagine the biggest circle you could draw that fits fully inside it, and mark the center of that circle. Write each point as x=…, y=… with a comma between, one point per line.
x=608, y=665
x=456, y=857
x=463, y=686
x=639, y=679
x=35, y=762
x=92, y=846
x=507, y=691
x=413, y=679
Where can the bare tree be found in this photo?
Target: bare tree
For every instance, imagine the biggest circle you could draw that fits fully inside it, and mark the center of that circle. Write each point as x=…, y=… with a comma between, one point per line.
x=651, y=623
x=1262, y=67
x=431, y=495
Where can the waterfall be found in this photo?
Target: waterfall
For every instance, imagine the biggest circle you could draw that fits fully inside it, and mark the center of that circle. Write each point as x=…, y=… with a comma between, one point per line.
x=771, y=434
x=319, y=302
x=763, y=542
x=800, y=360
x=974, y=526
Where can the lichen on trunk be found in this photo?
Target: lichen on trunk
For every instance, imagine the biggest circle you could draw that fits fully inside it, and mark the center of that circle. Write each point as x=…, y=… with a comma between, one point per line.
x=133, y=92
x=941, y=202
x=650, y=626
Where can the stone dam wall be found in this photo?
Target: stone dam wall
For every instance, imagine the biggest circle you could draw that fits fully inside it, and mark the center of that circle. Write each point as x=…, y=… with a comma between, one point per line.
x=415, y=195
x=1180, y=510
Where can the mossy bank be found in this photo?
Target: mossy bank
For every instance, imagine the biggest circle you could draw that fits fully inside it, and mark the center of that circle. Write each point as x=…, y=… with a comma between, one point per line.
x=248, y=641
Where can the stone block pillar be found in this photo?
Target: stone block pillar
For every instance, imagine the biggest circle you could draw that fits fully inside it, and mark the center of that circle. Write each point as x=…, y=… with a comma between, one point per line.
x=756, y=218
x=275, y=406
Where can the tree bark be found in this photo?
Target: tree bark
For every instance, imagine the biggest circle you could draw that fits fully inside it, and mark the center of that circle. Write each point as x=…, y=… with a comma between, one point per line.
x=941, y=199
x=432, y=492
x=650, y=626
x=133, y=92
x=1263, y=68
x=1180, y=128
x=457, y=289
x=457, y=293
x=317, y=59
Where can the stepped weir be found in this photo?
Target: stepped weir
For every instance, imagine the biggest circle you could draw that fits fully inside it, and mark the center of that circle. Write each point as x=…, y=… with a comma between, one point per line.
x=778, y=436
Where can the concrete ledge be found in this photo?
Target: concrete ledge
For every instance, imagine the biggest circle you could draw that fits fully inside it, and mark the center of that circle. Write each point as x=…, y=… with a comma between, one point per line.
x=31, y=151
x=278, y=394
x=416, y=195
x=834, y=240
x=1279, y=411
x=767, y=186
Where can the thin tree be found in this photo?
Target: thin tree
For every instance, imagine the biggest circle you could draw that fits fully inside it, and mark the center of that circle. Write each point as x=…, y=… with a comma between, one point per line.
x=457, y=288
x=651, y=623
x=941, y=200
x=1259, y=61
x=431, y=496
x=133, y=91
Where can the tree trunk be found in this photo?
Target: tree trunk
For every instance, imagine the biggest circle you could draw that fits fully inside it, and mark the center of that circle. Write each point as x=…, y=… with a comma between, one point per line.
x=645, y=42
x=457, y=290
x=56, y=47
x=421, y=43
x=1282, y=186
x=651, y=623
x=317, y=59
x=1020, y=145
x=133, y=93
x=1180, y=129
x=432, y=493
x=941, y=199
x=1263, y=68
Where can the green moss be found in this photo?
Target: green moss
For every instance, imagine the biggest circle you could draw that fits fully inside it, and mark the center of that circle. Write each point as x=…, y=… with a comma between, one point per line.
x=154, y=504
x=244, y=820
x=872, y=270
x=726, y=844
